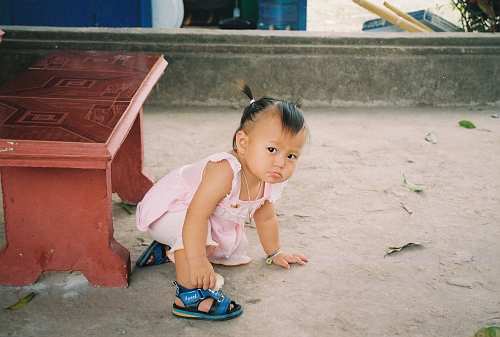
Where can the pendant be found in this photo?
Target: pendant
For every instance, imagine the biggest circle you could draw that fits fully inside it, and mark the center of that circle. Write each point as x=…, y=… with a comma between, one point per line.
x=248, y=220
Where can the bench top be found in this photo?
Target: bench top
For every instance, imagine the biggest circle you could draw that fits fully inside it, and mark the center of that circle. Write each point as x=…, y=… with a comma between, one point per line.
x=75, y=101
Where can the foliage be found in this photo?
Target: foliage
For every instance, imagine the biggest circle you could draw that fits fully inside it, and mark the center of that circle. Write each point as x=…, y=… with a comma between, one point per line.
x=479, y=15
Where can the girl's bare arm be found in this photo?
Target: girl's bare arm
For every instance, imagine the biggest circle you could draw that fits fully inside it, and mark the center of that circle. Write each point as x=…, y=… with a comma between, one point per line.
x=214, y=186
x=266, y=222
x=267, y=225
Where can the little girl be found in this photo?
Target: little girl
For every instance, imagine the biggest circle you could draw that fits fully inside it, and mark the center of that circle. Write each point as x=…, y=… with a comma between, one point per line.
x=196, y=214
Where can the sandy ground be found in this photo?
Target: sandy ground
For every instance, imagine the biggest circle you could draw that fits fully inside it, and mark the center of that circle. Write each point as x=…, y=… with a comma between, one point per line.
x=343, y=208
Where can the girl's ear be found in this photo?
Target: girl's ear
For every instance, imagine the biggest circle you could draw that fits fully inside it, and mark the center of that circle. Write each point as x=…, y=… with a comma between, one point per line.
x=241, y=141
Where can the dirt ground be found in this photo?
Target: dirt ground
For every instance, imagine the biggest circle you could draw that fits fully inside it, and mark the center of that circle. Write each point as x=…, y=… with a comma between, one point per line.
x=343, y=208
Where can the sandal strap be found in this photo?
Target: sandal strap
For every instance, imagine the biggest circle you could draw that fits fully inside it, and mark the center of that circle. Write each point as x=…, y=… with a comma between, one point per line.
x=159, y=253
x=155, y=254
x=191, y=298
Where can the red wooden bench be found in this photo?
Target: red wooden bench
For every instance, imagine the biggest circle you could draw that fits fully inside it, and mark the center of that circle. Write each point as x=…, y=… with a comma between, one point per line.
x=70, y=135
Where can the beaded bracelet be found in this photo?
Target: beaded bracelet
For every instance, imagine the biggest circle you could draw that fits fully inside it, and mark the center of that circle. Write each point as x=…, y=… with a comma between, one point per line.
x=270, y=257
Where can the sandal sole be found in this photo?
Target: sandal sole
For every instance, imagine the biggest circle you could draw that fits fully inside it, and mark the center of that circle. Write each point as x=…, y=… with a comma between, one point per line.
x=207, y=317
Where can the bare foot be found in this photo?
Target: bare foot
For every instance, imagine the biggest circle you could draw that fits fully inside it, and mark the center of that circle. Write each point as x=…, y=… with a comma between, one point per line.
x=204, y=306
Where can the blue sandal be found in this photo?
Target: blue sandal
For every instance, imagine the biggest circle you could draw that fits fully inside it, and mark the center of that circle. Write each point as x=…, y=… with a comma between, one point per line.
x=154, y=255
x=222, y=307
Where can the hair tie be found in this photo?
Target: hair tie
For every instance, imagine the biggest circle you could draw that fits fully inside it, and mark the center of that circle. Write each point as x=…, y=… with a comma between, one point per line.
x=252, y=101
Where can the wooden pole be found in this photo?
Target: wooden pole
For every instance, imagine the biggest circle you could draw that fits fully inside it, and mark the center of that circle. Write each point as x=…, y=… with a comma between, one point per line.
x=407, y=17
x=389, y=16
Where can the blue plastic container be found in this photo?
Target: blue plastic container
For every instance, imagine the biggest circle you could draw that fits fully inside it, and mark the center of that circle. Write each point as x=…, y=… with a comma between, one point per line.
x=282, y=14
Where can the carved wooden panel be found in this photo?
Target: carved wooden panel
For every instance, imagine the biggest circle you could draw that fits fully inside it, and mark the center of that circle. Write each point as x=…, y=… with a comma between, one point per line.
x=98, y=61
x=81, y=85
x=72, y=96
x=58, y=119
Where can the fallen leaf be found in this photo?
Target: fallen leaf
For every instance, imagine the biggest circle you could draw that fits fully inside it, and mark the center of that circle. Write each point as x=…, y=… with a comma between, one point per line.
x=129, y=208
x=490, y=331
x=142, y=242
x=301, y=216
x=22, y=302
x=417, y=188
x=406, y=208
x=431, y=138
x=459, y=283
x=495, y=115
x=466, y=124
x=392, y=250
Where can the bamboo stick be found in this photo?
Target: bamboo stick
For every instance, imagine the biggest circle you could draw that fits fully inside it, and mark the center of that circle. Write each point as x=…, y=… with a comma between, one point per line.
x=389, y=16
x=407, y=17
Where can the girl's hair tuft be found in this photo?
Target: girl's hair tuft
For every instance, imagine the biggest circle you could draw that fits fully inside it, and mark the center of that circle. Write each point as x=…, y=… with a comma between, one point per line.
x=246, y=89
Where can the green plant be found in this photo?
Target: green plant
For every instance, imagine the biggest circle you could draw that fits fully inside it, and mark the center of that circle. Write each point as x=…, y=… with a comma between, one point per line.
x=479, y=15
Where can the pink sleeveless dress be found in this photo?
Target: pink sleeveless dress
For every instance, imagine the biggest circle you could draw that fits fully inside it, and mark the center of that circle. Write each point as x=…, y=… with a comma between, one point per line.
x=166, y=203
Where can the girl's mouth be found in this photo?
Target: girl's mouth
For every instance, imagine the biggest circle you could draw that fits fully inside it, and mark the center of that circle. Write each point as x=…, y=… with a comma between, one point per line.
x=275, y=175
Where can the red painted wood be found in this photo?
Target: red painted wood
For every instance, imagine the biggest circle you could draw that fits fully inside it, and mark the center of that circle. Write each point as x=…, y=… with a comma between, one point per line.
x=69, y=229
x=94, y=86
x=70, y=134
x=63, y=120
x=135, y=106
x=98, y=61
x=128, y=179
x=26, y=153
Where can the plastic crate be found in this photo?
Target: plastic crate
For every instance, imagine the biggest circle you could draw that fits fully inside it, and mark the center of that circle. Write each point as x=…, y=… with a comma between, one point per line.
x=433, y=21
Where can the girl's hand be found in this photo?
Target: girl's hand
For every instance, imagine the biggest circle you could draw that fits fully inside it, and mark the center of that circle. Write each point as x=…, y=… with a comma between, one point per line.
x=201, y=273
x=284, y=260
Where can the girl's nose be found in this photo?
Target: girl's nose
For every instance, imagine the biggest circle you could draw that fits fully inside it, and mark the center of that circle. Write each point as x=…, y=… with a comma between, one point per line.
x=279, y=161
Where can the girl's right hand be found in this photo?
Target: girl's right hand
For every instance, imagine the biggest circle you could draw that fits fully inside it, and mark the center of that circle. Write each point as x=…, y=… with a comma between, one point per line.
x=201, y=273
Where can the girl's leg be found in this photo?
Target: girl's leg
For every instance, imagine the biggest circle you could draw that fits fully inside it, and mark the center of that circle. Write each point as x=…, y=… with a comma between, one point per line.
x=182, y=277
x=168, y=230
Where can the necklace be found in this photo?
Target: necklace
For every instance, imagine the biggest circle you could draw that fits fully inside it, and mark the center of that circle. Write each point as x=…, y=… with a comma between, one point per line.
x=249, y=220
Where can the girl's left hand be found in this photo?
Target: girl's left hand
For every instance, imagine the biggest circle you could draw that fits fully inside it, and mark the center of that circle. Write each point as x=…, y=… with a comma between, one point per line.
x=285, y=260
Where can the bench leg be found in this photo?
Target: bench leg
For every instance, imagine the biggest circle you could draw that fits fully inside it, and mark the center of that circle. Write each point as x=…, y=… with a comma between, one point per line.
x=129, y=181
x=60, y=220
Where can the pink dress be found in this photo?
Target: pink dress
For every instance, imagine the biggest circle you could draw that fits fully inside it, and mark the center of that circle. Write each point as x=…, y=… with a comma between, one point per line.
x=166, y=203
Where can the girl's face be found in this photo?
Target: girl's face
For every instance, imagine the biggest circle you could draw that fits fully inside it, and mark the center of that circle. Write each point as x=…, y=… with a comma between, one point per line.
x=270, y=154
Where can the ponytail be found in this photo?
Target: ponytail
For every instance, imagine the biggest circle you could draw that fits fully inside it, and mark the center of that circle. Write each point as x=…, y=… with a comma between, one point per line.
x=291, y=116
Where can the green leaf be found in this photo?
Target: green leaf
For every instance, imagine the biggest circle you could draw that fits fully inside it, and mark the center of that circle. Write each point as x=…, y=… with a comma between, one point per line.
x=392, y=250
x=487, y=8
x=466, y=124
x=491, y=331
x=22, y=302
x=129, y=208
x=412, y=187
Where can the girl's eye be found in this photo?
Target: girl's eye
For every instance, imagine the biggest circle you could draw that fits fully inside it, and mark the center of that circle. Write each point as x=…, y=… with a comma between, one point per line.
x=272, y=149
x=292, y=156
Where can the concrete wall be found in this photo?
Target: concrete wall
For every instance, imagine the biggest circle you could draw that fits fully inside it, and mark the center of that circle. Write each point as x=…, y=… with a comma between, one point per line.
x=323, y=69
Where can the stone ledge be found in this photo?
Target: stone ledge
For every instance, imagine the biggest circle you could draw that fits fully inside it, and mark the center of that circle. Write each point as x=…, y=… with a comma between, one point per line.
x=324, y=69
